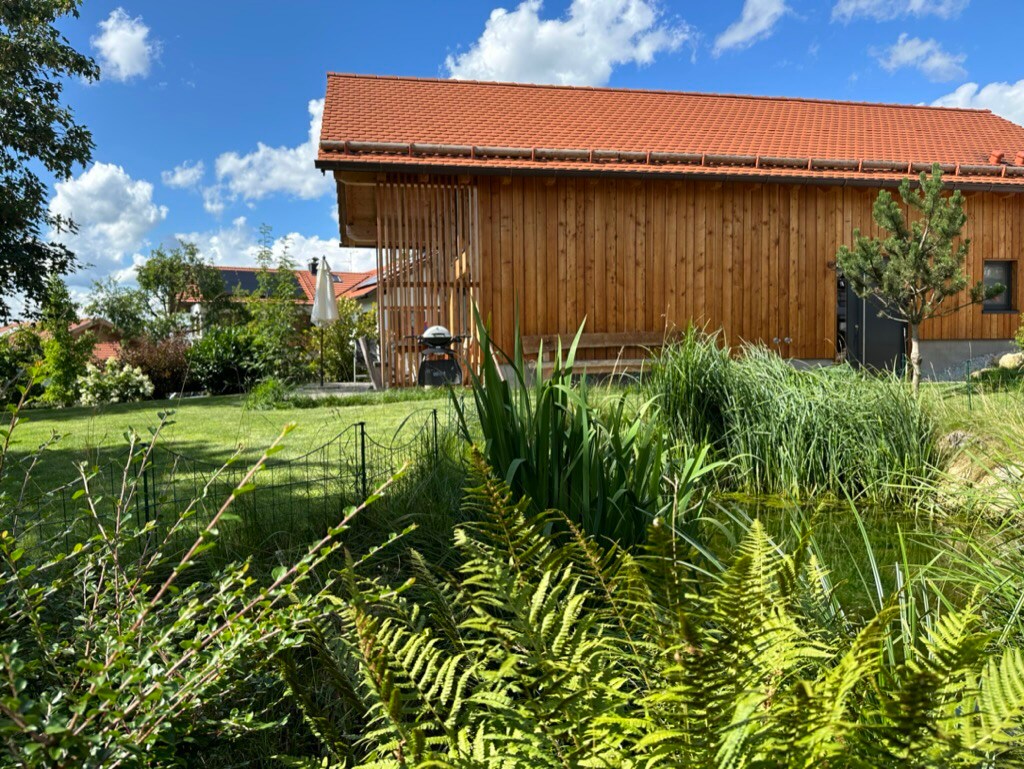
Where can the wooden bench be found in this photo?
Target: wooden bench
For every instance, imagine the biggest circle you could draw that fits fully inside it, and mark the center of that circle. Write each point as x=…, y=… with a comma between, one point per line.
x=637, y=343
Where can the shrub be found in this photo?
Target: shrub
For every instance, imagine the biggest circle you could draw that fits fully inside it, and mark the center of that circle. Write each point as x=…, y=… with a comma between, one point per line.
x=64, y=355
x=114, y=382
x=804, y=433
x=1019, y=339
x=268, y=394
x=602, y=468
x=164, y=361
x=338, y=341
x=177, y=667
x=64, y=361
x=224, y=360
x=20, y=350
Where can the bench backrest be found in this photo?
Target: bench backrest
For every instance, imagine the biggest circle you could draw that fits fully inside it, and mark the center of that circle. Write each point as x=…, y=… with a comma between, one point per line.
x=635, y=339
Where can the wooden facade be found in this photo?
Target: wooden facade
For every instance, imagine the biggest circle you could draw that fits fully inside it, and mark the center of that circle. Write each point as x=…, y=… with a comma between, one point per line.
x=637, y=255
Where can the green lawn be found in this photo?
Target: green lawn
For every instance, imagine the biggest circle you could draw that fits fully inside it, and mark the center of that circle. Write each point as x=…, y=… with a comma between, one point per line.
x=994, y=419
x=214, y=428
x=210, y=429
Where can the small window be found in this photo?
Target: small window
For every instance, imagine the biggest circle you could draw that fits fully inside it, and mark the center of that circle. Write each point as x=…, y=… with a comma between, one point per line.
x=1001, y=273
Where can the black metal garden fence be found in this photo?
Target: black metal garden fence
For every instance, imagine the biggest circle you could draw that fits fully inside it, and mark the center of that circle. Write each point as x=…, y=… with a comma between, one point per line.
x=157, y=483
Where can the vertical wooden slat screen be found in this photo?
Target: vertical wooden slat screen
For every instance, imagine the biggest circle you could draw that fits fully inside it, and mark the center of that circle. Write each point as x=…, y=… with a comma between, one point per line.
x=428, y=269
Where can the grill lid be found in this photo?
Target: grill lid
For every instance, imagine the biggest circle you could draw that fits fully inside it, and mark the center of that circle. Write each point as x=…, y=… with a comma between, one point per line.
x=437, y=336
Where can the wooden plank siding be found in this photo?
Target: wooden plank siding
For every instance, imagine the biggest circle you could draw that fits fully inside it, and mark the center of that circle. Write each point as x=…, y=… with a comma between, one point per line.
x=652, y=255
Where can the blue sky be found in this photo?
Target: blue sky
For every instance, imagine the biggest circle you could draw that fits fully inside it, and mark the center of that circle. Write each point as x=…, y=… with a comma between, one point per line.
x=203, y=116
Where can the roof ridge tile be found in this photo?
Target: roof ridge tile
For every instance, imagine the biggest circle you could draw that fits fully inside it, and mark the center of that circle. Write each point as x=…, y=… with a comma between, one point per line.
x=663, y=91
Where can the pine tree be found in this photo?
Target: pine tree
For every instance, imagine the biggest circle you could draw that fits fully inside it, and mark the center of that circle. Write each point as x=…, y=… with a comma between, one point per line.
x=914, y=271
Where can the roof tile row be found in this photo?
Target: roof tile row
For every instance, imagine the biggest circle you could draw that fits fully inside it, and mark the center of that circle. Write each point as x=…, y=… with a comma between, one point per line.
x=408, y=111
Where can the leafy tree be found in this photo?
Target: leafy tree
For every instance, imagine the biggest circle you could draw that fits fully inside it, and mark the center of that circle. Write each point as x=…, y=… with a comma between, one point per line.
x=339, y=340
x=274, y=323
x=126, y=307
x=916, y=269
x=173, y=278
x=35, y=128
x=64, y=356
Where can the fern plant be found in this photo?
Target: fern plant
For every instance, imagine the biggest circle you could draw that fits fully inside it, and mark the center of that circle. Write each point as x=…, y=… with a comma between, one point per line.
x=557, y=650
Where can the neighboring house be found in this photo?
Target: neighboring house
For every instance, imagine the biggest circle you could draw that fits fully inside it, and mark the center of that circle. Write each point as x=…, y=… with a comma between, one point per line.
x=644, y=211
x=360, y=286
x=107, y=340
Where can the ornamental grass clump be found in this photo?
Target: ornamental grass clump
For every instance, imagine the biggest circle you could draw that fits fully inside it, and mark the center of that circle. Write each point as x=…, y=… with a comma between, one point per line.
x=803, y=433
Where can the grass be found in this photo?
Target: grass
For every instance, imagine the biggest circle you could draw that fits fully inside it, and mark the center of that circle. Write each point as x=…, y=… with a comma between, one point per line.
x=211, y=429
x=800, y=433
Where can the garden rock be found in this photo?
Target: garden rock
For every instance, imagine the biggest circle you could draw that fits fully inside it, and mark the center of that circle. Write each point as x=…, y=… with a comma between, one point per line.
x=1012, y=360
x=956, y=441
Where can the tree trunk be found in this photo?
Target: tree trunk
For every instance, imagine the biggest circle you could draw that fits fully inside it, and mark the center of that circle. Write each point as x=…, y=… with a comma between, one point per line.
x=915, y=359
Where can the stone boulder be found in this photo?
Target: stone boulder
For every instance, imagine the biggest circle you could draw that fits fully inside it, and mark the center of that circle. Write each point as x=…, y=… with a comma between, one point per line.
x=1012, y=360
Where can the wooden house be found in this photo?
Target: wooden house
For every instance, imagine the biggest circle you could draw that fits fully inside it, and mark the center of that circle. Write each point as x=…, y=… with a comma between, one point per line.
x=643, y=211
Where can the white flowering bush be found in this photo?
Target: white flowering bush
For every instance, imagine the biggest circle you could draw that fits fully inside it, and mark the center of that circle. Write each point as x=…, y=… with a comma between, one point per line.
x=114, y=382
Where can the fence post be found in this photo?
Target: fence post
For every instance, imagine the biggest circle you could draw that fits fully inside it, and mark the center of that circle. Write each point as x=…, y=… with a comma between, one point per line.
x=434, y=414
x=362, y=457
x=970, y=389
x=145, y=487
x=64, y=514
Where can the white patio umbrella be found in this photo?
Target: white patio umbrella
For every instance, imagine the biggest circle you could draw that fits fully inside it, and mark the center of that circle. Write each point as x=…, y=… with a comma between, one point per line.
x=325, y=306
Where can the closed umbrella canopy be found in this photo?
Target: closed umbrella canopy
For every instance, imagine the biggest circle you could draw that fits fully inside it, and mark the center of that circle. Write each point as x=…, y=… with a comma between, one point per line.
x=325, y=306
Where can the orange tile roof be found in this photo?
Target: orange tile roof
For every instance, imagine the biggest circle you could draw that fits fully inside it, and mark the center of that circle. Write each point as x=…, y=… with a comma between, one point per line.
x=345, y=283
x=402, y=123
x=101, y=351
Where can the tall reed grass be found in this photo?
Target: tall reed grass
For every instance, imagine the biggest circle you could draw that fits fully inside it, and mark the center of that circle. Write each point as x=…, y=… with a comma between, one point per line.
x=802, y=433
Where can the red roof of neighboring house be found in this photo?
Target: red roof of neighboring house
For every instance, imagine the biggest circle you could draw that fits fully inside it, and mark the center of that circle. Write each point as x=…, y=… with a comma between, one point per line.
x=448, y=125
x=82, y=324
x=347, y=284
x=101, y=351
x=104, y=350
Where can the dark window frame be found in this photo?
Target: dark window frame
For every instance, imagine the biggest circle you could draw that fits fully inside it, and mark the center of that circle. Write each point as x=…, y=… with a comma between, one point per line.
x=1006, y=299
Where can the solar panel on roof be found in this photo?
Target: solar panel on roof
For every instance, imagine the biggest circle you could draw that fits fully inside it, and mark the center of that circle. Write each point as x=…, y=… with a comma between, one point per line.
x=240, y=280
x=248, y=282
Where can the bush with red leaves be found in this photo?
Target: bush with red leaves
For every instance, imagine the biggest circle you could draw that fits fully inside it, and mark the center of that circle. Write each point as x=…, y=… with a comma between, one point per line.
x=164, y=361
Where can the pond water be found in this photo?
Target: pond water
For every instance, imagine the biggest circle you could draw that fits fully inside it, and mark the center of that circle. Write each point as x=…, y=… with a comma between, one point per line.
x=866, y=550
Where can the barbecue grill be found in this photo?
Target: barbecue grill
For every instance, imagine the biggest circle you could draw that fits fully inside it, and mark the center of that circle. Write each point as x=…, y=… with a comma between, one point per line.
x=439, y=364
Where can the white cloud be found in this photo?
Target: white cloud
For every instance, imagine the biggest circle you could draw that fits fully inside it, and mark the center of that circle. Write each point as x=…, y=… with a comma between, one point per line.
x=582, y=48
x=270, y=170
x=881, y=10
x=238, y=245
x=1006, y=99
x=928, y=56
x=213, y=200
x=114, y=213
x=756, y=22
x=124, y=47
x=186, y=175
